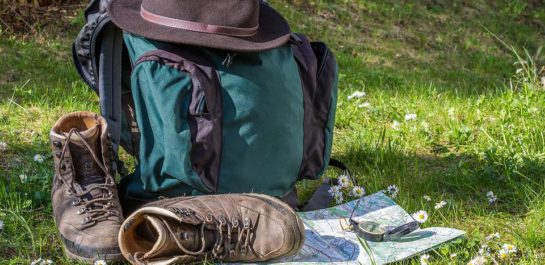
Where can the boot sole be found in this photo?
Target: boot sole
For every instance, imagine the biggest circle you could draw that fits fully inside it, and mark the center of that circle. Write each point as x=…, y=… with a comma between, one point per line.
x=300, y=225
x=108, y=257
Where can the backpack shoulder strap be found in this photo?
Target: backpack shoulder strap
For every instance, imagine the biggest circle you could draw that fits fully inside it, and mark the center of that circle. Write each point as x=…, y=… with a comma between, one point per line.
x=97, y=55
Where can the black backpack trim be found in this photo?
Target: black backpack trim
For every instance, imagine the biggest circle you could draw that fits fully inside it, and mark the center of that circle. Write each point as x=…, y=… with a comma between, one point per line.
x=317, y=68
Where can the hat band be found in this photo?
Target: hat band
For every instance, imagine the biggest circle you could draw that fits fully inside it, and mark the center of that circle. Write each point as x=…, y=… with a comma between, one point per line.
x=195, y=26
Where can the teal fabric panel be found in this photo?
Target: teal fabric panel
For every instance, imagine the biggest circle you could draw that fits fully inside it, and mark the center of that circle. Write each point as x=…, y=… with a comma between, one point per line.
x=161, y=96
x=137, y=45
x=262, y=122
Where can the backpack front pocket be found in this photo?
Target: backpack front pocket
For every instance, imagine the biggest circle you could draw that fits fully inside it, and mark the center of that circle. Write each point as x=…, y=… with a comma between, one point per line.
x=197, y=119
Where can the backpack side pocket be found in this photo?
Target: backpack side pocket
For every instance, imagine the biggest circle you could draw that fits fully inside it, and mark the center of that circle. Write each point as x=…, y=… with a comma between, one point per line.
x=318, y=70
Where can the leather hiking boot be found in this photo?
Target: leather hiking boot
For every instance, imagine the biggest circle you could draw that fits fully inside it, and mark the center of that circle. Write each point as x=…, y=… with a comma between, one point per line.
x=228, y=228
x=84, y=195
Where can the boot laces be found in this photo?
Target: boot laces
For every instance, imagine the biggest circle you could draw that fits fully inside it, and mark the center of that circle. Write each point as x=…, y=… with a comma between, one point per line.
x=223, y=245
x=106, y=203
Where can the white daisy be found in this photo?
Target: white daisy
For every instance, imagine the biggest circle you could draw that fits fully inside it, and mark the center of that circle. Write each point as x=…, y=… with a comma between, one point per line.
x=410, y=116
x=41, y=261
x=357, y=94
x=440, y=205
x=479, y=260
x=36, y=261
x=100, y=262
x=426, y=198
x=334, y=190
x=420, y=216
x=424, y=259
x=357, y=191
x=392, y=190
x=396, y=125
x=509, y=248
x=492, y=198
x=39, y=158
x=364, y=105
x=493, y=236
x=3, y=146
x=344, y=181
x=502, y=254
x=339, y=198
x=484, y=250
x=23, y=178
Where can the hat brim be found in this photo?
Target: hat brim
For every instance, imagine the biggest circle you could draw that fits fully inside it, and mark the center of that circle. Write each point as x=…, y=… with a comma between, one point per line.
x=273, y=30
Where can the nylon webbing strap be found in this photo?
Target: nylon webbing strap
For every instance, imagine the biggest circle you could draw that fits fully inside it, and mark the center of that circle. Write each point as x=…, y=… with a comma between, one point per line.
x=321, y=198
x=110, y=80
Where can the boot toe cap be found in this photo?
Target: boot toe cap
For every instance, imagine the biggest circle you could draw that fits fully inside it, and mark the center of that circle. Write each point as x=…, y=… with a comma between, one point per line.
x=98, y=243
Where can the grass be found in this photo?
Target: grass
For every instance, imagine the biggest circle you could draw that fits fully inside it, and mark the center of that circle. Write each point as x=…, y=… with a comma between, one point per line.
x=469, y=70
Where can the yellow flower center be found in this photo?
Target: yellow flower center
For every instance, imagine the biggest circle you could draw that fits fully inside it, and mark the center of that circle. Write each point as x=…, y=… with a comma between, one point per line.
x=421, y=216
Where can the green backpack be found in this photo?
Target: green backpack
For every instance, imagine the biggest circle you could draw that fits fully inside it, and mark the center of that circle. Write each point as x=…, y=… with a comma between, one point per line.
x=203, y=121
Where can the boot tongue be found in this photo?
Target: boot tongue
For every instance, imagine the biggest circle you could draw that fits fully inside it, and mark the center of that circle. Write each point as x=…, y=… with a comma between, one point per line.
x=86, y=168
x=166, y=231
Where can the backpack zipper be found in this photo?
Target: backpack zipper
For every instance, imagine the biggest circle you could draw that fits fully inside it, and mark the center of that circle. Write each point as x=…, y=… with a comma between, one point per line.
x=228, y=61
x=201, y=106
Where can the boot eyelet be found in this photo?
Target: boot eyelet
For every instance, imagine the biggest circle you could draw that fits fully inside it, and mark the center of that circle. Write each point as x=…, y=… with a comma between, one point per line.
x=232, y=253
x=86, y=220
x=209, y=218
x=247, y=222
x=81, y=211
x=234, y=221
x=76, y=202
x=174, y=210
x=58, y=154
x=57, y=144
x=222, y=220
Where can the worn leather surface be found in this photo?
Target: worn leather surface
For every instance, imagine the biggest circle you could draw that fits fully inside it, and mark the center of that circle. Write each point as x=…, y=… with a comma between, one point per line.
x=272, y=230
x=88, y=227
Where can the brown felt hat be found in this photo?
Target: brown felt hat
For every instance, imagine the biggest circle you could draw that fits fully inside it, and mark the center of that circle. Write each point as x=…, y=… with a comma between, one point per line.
x=237, y=25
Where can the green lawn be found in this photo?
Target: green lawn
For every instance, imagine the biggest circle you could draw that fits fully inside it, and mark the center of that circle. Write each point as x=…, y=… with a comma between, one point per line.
x=478, y=128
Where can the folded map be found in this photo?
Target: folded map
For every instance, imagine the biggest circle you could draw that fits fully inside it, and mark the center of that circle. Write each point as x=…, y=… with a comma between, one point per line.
x=327, y=242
